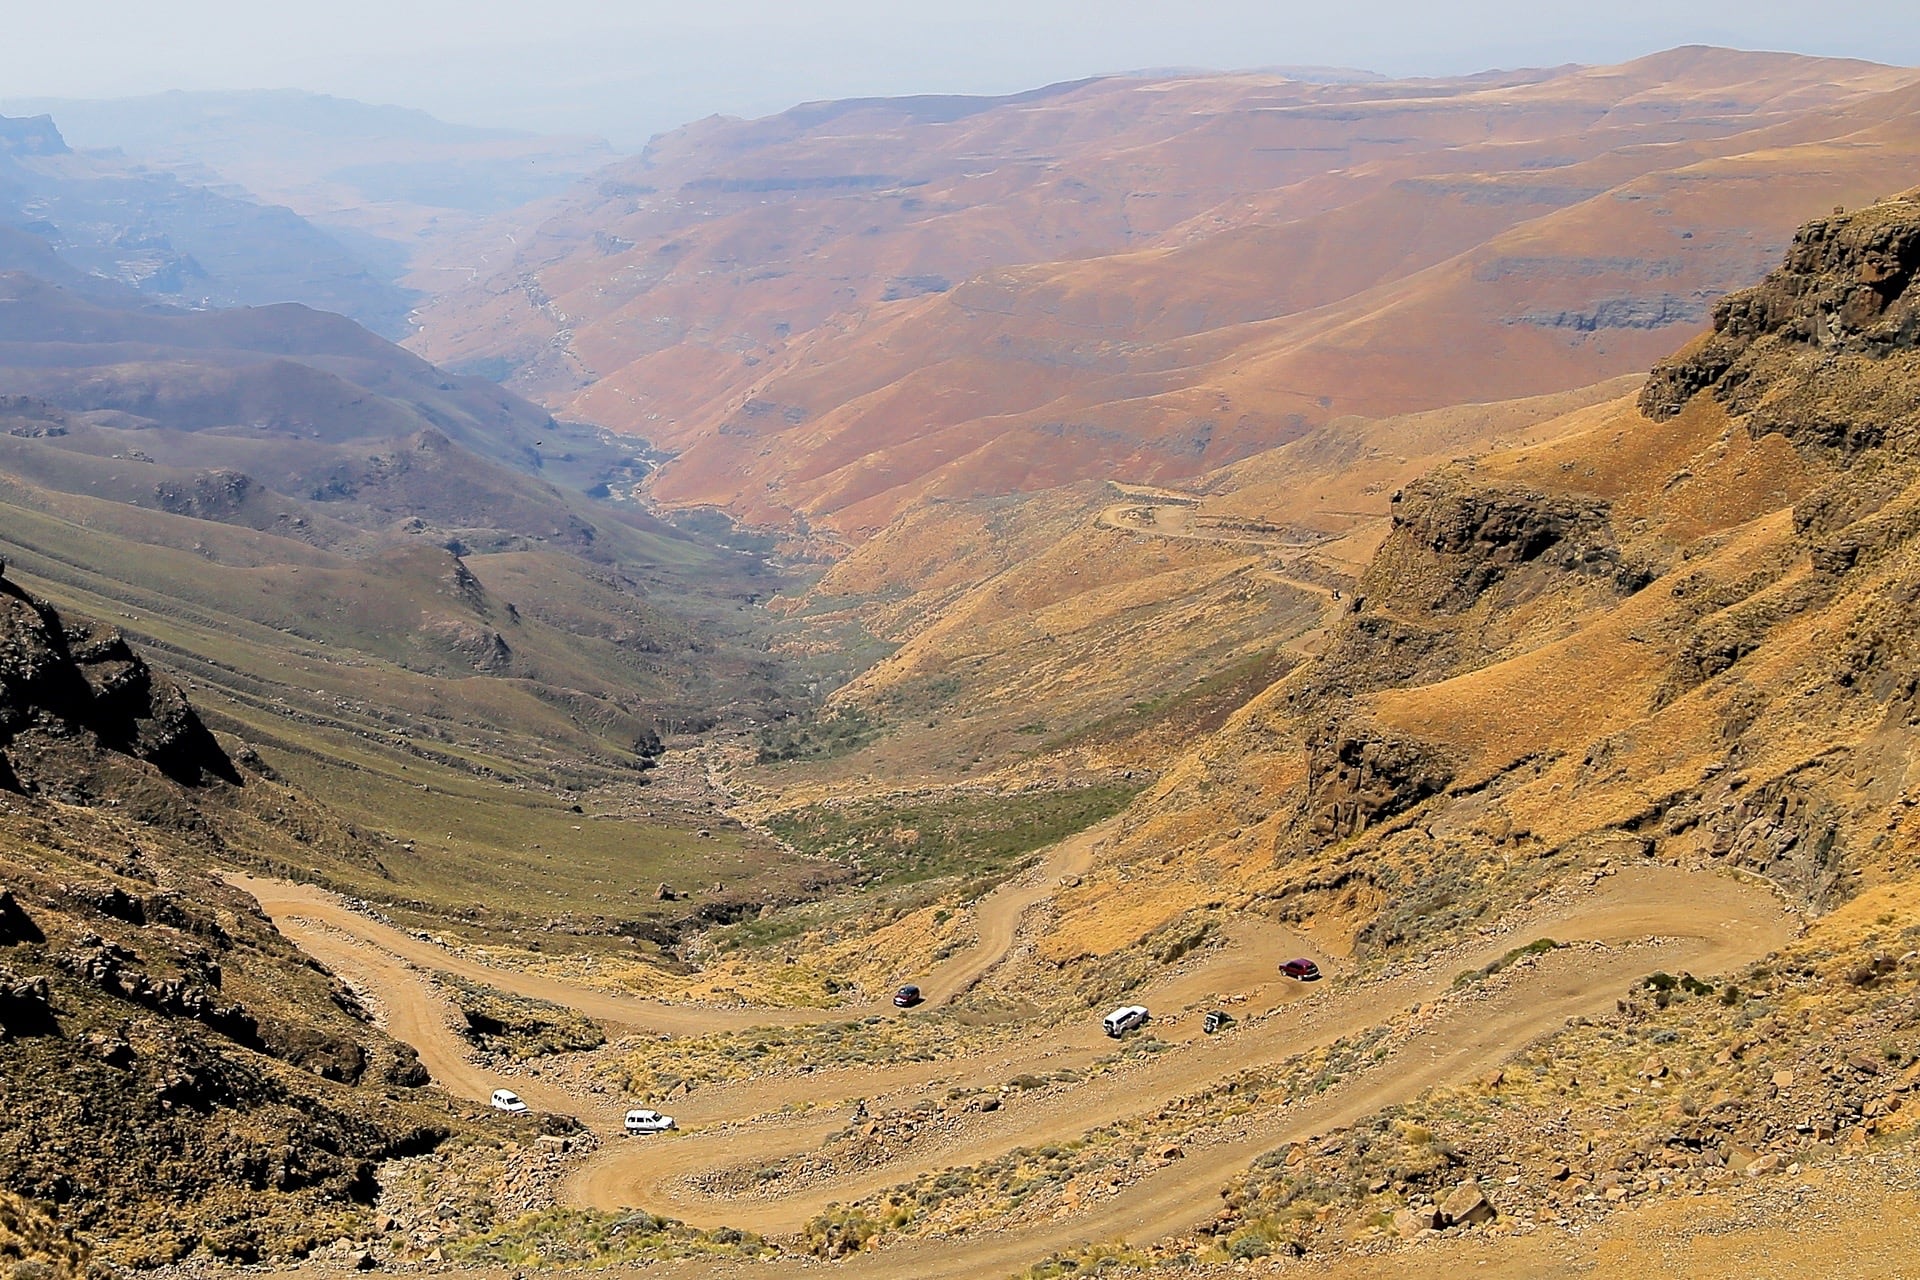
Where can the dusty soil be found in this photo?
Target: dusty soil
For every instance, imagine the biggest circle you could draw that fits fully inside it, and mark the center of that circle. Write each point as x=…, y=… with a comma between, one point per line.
x=1642, y=919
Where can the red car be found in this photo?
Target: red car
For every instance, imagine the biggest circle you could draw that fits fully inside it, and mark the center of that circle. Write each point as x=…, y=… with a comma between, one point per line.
x=906, y=997
x=1301, y=970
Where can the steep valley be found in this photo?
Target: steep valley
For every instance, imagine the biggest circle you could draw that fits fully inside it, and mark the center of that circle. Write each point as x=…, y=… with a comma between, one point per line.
x=363, y=571
x=1065, y=551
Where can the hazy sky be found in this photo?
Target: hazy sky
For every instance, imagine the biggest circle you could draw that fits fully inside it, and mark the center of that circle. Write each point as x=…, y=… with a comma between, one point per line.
x=626, y=70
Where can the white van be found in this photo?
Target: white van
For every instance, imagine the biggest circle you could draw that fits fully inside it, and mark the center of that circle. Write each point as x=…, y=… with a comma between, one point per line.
x=1125, y=1019
x=641, y=1120
x=507, y=1100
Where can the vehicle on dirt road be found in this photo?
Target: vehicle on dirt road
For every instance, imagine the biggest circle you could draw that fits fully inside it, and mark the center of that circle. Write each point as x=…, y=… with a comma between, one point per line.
x=907, y=997
x=1301, y=970
x=507, y=1100
x=1124, y=1019
x=1218, y=1020
x=641, y=1120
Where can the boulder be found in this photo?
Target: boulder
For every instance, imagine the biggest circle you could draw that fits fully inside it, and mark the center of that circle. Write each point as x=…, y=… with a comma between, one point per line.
x=1408, y=1223
x=1467, y=1206
x=1766, y=1164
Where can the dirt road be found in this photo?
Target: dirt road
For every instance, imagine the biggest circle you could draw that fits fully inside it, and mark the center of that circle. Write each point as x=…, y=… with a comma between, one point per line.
x=1705, y=923
x=1640, y=920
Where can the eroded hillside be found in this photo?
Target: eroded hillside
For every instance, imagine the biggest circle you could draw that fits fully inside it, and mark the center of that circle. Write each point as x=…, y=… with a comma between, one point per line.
x=851, y=308
x=1675, y=633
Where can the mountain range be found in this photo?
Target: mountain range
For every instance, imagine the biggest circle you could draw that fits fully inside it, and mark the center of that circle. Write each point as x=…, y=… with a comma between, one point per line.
x=850, y=598
x=851, y=308
x=390, y=182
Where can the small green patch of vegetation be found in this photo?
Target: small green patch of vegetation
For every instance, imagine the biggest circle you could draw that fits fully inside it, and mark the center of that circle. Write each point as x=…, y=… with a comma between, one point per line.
x=1088, y=1260
x=839, y=1231
x=1538, y=947
x=839, y=732
x=904, y=839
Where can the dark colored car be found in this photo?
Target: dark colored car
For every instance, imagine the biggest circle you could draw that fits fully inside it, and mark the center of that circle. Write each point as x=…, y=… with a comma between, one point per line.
x=1302, y=970
x=1217, y=1021
x=906, y=997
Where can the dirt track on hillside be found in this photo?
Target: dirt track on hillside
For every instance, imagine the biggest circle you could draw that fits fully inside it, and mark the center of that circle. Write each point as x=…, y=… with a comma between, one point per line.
x=1672, y=919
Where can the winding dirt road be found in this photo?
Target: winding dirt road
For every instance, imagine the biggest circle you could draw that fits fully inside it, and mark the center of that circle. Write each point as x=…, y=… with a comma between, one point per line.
x=1640, y=920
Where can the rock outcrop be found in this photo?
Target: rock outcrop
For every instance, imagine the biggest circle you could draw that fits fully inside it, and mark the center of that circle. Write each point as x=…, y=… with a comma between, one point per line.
x=67, y=685
x=1823, y=350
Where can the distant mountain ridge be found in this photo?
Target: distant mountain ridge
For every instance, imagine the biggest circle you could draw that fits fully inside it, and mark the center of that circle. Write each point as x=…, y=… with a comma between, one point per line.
x=844, y=310
x=385, y=180
x=170, y=239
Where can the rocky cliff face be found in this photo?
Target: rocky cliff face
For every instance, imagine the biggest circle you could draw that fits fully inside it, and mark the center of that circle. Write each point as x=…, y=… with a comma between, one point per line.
x=31, y=136
x=74, y=689
x=1684, y=633
x=1822, y=351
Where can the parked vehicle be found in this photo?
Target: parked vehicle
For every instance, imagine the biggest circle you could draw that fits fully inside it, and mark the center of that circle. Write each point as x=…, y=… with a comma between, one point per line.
x=907, y=997
x=1217, y=1020
x=642, y=1120
x=1125, y=1019
x=1301, y=970
x=507, y=1100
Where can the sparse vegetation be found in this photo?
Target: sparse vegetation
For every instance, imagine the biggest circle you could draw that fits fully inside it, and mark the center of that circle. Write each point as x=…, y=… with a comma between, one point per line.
x=947, y=833
x=1538, y=947
x=735, y=1055
x=839, y=731
x=576, y=1237
x=518, y=1026
x=1198, y=709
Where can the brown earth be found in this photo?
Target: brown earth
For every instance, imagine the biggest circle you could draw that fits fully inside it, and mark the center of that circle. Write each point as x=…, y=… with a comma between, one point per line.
x=177, y=1076
x=851, y=308
x=1699, y=921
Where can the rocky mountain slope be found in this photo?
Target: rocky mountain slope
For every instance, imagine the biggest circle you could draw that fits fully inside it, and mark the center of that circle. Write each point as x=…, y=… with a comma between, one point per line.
x=176, y=1074
x=1657, y=640
x=1378, y=700
x=850, y=308
x=1673, y=632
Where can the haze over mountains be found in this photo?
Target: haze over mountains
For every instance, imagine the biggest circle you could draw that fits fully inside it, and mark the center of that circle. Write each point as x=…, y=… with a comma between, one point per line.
x=387, y=179
x=830, y=606
x=84, y=218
